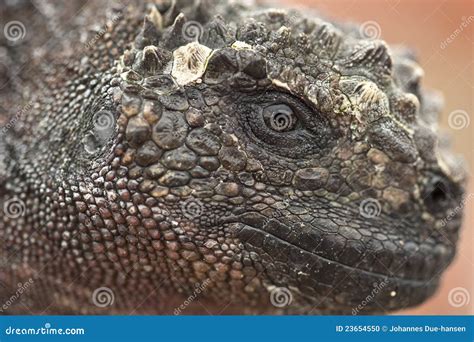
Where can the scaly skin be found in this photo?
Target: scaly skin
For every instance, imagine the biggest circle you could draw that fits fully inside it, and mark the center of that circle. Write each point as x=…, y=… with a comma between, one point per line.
x=277, y=150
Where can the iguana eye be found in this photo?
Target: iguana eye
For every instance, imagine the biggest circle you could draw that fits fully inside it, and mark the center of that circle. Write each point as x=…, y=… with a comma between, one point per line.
x=279, y=117
x=283, y=124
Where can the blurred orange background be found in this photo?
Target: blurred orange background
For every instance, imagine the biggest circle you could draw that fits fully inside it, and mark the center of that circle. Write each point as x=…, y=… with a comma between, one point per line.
x=424, y=25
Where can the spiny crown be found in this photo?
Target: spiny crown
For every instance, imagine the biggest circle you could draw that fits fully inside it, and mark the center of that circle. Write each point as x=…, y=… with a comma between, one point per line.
x=340, y=69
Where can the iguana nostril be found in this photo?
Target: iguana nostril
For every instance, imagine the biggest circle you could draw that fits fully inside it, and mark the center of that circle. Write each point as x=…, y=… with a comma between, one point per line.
x=440, y=195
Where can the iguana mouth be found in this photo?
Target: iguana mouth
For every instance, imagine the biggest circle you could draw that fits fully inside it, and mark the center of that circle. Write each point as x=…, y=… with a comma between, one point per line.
x=328, y=284
x=327, y=267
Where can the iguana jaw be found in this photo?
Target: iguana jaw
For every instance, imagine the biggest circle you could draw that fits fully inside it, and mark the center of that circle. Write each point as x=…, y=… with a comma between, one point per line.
x=329, y=270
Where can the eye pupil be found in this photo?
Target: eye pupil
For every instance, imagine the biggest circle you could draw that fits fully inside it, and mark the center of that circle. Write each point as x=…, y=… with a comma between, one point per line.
x=279, y=118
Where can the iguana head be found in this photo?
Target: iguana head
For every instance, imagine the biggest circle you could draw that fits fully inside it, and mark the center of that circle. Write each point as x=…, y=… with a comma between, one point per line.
x=252, y=148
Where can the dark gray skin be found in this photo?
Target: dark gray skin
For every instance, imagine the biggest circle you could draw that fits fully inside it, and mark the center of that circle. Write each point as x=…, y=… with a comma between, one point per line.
x=242, y=160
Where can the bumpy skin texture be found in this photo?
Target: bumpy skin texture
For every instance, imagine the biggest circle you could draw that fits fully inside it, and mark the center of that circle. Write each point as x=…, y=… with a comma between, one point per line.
x=149, y=163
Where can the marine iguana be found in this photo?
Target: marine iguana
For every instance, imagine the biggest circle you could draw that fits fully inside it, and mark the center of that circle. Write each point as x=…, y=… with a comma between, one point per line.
x=272, y=159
